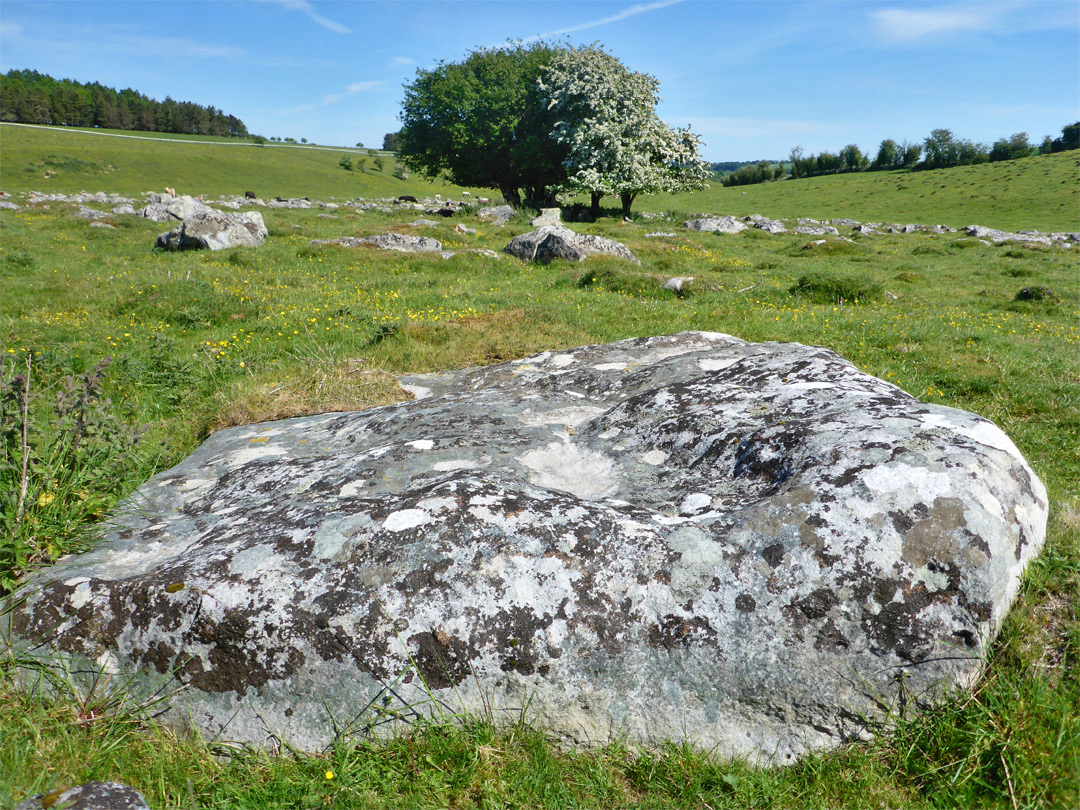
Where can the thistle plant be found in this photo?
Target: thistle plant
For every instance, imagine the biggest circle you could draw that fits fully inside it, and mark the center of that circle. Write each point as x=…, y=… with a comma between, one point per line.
x=61, y=472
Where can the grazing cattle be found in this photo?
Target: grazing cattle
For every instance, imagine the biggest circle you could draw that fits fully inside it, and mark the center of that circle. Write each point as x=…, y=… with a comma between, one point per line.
x=171, y=191
x=464, y=194
x=407, y=198
x=249, y=195
x=445, y=212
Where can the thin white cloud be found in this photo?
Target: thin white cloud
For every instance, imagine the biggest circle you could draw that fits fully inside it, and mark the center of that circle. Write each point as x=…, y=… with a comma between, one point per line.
x=304, y=7
x=402, y=60
x=334, y=98
x=633, y=11
x=911, y=25
x=10, y=29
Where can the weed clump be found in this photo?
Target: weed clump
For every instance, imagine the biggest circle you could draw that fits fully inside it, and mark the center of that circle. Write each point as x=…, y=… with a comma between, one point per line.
x=1036, y=293
x=830, y=288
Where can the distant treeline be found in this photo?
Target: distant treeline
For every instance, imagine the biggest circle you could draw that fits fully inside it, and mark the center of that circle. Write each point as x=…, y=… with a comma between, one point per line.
x=941, y=149
x=30, y=97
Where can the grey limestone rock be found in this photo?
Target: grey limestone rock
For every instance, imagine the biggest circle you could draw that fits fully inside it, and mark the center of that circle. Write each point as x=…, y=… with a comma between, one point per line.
x=716, y=225
x=215, y=230
x=497, y=215
x=1004, y=236
x=8, y=205
x=165, y=208
x=559, y=242
x=756, y=547
x=401, y=242
x=91, y=796
x=548, y=216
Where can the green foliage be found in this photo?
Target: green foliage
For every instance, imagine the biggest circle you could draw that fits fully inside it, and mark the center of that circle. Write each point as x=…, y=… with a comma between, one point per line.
x=391, y=141
x=482, y=121
x=606, y=119
x=346, y=163
x=35, y=98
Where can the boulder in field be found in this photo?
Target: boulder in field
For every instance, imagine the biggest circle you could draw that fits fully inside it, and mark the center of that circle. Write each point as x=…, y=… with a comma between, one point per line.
x=559, y=242
x=401, y=242
x=755, y=547
x=215, y=230
x=716, y=225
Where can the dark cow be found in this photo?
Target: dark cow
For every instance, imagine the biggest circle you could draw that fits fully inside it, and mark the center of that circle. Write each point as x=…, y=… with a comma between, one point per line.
x=249, y=195
x=406, y=198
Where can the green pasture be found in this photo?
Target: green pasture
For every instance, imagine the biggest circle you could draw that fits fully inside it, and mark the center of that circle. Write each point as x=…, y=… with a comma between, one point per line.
x=62, y=159
x=1037, y=193
x=202, y=340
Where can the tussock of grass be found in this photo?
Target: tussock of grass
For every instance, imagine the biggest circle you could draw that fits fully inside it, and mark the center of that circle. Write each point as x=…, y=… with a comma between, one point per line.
x=832, y=288
x=318, y=388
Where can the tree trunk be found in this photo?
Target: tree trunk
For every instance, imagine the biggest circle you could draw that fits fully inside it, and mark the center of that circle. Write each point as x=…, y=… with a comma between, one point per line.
x=627, y=201
x=511, y=195
x=594, y=203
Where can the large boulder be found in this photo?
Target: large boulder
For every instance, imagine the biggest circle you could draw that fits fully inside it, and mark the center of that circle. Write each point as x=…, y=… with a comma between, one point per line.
x=756, y=547
x=165, y=208
x=215, y=230
x=496, y=214
x=558, y=242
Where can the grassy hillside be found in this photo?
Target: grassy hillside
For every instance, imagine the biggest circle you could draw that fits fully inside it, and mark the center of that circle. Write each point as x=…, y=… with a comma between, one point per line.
x=202, y=340
x=1037, y=193
x=68, y=160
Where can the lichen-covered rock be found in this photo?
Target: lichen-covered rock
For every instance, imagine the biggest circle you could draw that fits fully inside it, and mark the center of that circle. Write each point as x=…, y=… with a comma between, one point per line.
x=91, y=796
x=166, y=208
x=551, y=242
x=401, y=242
x=753, y=546
x=215, y=230
x=728, y=225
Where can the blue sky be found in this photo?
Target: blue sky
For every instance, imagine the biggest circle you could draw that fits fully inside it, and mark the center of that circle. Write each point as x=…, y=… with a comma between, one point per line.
x=753, y=77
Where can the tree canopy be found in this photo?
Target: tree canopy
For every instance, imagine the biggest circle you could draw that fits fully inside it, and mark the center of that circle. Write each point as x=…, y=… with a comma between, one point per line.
x=538, y=119
x=483, y=122
x=36, y=98
x=606, y=119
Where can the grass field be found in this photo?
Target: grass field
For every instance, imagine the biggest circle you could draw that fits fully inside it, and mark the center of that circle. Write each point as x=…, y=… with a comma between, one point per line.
x=67, y=159
x=202, y=340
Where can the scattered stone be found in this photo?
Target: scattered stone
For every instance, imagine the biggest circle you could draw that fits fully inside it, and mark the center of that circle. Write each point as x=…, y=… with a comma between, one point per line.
x=102, y=225
x=401, y=242
x=677, y=283
x=548, y=216
x=716, y=225
x=866, y=229
x=8, y=205
x=423, y=223
x=559, y=242
x=91, y=796
x=460, y=228
x=816, y=230
x=757, y=548
x=1004, y=236
x=497, y=215
x=215, y=230
x=124, y=208
x=659, y=233
x=90, y=213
